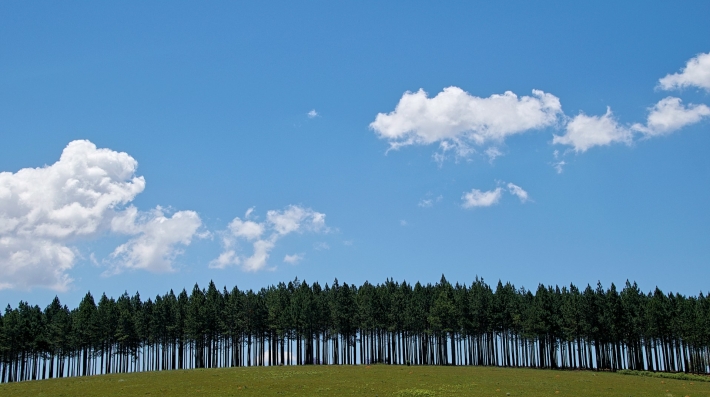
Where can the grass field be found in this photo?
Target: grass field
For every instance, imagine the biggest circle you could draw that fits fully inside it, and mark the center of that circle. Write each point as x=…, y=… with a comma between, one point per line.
x=376, y=380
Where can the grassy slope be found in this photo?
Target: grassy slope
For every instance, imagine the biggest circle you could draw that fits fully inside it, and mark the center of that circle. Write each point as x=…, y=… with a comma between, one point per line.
x=360, y=381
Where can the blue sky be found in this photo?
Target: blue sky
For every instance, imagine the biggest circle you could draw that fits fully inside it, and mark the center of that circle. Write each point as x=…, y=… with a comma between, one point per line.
x=252, y=144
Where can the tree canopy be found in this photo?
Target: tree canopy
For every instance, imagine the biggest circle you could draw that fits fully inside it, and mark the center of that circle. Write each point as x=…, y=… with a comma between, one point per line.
x=298, y=323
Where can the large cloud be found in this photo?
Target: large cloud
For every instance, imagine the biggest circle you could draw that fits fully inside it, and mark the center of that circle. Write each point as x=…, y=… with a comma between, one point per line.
x=584, y=132
x=455, y=119
x=695, y=74
x=44, y=211
x=264, y=235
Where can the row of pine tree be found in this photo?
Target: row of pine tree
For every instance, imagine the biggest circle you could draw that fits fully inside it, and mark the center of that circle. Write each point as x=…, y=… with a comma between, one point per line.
x=393, y=323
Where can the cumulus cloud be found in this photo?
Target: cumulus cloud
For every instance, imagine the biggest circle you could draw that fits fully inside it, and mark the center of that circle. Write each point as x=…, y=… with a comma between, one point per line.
x=294, y=259
x=264, y=235
x=295, y=218
x=27, y=263
x=157, y=242
x=584, y=132
x=669, y=115
x=249, y=230
x=312, y=114
x=477, y=198
x=695, y=74
x=456, y=119
x=463, y=124
x=45, y=210
x=518, y=192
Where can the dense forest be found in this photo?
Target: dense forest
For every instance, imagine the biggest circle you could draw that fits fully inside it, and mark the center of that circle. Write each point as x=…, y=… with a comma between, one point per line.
x=392, y=323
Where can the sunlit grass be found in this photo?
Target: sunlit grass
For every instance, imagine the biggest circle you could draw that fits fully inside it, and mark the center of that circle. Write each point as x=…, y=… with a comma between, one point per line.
x=375, y=380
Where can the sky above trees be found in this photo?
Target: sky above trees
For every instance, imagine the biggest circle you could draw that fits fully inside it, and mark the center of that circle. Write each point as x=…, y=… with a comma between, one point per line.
x=152, y=146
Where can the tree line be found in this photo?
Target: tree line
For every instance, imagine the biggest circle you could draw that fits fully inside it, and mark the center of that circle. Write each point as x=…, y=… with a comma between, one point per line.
x=297, y=323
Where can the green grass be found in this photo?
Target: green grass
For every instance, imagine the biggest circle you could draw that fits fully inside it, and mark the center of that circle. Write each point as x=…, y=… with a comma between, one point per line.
x=679, y=375
x=376, y=380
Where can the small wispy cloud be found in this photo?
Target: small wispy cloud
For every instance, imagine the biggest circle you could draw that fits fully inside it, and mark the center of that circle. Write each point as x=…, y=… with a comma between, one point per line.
x=321, y=246
x=479, y=198
x=558, y=166
x=429, y=202
x=518, y=191
x=425, y=203
x=492, y=153
x=312, y=114
x=294, y=259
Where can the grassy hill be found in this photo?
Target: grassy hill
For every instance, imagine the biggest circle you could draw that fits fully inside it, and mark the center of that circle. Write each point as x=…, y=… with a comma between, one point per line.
x=376, y=380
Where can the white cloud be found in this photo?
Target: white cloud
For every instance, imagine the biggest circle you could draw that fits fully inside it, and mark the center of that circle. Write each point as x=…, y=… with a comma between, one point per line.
x=45, y=210
x=247, y=229
x=321, y=246
x=477, y=198
x=295, y=218
x=260, y=256
x=156, y=245
x=455, y=119
x=669, y=115
x=226, y=258
x=429, y=202
x=492, y=153
x=426, y=203
x=585, y=132
x=518, y=191
x=264, y=235
x=27, y=263
x=559, y=166
x=695, y=74
x=312, y=114
x=294, y=259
